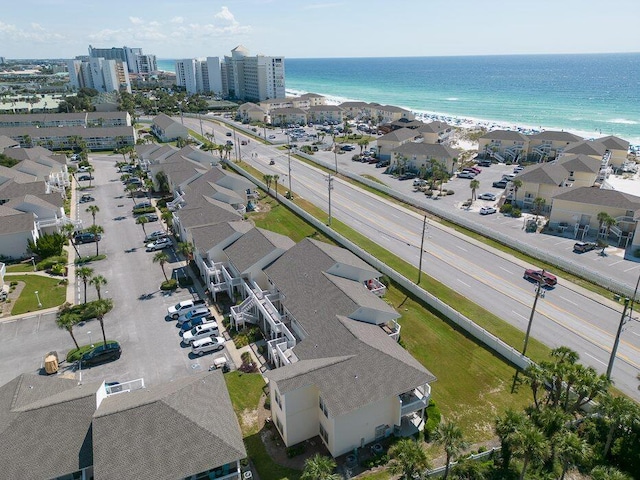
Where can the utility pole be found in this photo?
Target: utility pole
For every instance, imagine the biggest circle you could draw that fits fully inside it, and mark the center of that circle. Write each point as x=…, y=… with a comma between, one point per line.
x=201, y=130
x=289, y=159
x=616, y=342
x=424, y=227
x=329, y=180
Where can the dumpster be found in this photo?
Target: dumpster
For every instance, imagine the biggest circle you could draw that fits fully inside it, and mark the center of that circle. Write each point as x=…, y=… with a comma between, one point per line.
x=51, y=363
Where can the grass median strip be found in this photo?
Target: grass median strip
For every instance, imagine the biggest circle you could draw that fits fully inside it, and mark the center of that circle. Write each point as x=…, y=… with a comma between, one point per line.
x=51, y=293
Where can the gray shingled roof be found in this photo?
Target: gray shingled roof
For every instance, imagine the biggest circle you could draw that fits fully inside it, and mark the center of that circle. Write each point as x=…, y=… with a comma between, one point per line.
x=435, y=150
x=20, y=222
x=19, y=177
x=352, y=363
x=45, y=426
x=435, y=127
x=207, y=212
x=613, y=143
x=254, y=246
x=342, y=255
x=163, y=121
x=7, y=142
x=325, y=108
x=146, y=434
x=544, y=173
x=579, y=163
x=400, y=135
x=601, y=197
x=586, y=147
x=509, y=135
x=39, y=200
x=557, y=136
x=206, y=237
x=361, y=295
x=12, y=189
x=28, y=153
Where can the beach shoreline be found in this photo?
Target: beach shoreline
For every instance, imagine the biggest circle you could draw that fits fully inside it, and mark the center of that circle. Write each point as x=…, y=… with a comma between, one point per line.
x=468, y=123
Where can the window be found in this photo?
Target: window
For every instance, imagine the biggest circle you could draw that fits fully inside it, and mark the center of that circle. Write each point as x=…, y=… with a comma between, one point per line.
x=278, y=401
x=323, y=407
x=324, y=435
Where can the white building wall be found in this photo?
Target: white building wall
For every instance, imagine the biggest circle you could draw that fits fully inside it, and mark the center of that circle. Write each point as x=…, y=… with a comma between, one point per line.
x=15, y=245
x=186, y=74
x=350, y=431
x=301, y=419
x=214, y=70
x=75, y=73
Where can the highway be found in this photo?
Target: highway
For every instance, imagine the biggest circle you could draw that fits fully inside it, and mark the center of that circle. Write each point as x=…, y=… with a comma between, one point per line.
x=564, y=316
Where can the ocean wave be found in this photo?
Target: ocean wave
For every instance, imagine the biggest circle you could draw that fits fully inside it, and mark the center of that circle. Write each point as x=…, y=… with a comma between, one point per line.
x=623, y=121
x=452, y=99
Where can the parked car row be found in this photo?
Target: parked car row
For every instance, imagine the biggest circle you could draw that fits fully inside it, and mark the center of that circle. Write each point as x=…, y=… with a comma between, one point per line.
x=198, y=328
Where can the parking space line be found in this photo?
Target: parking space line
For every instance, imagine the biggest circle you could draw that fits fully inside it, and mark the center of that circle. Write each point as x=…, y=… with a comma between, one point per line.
x=632, y=268
x=615, y=263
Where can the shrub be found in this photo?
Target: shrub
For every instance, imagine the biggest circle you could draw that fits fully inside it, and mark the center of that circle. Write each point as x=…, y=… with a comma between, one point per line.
x=516, y=213
x=170, y=284
x=428, y=193
x=295, y=450
x=139, y=211
x=450, y=192
x=76, y=353
x=506, y=208
x=49, y=262
x=433, y=420
x=376, y=460
x=246, y=357
x=267, y=402
x=58, y=269
x=48, y=245
x=91, y=258
x=13, y=283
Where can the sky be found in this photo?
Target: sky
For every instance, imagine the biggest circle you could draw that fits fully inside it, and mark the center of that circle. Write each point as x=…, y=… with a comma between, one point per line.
x=319, y=29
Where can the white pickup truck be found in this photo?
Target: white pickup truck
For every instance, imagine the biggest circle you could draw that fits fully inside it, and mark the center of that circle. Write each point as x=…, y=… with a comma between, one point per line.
x=176, y=310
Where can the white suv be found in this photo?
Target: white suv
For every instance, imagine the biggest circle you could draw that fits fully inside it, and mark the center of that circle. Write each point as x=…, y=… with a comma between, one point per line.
x=200, y=331
x=206, y=345
x=193, y=312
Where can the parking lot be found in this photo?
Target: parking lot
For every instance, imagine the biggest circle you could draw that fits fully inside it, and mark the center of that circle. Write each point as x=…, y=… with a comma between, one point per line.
x=150, y=343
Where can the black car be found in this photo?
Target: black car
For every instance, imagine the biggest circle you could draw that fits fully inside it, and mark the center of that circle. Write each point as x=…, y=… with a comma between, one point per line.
x=499, y=184
x=82, y=178
x=102, y=353
x=86, y=237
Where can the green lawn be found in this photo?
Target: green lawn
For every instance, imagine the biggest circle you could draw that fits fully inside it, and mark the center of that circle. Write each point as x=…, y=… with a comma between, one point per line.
x=19, y=267
x=49, y=290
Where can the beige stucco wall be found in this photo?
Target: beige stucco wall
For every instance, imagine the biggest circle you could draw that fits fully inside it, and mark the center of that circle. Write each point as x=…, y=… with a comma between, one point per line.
x=565, y=211
x=533, y=190
x=348, y=430
x=583, y=179
x=618, y=157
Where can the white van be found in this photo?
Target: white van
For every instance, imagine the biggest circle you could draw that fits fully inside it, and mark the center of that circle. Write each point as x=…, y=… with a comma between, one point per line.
x=200, y=331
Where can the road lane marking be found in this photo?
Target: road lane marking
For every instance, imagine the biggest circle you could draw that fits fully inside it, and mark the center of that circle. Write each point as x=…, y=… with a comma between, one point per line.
x=596, y=359
x=508, y=271
x=466, y=284
x=567, y=300
x=462, y=248
x=615, y=263
x=518, y=314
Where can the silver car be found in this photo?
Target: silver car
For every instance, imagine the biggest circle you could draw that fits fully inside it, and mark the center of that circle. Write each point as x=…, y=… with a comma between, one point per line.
x=207, y=345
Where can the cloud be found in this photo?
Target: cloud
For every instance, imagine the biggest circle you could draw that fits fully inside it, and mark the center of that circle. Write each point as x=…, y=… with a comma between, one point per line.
x=37, y=26
x=37, y=34
x=225, y=14
x=177, y=20
x=135, y=20
x=315, y=6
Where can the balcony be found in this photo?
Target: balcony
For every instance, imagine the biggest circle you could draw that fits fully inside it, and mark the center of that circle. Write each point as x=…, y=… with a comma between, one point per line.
x=415, y=400
x=376, y=287
x=392, y=329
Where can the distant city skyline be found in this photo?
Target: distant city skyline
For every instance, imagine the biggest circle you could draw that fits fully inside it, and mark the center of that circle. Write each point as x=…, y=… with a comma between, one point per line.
x=295, y=29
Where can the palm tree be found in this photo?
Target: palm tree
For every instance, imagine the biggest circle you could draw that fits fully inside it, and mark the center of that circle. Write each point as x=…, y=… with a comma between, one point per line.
x=538, y=206
x=608, y=223
x=97, y=231
x=102, y=308
x=618, y=413
x=93, y=209
x=267, y=180
x=602, y=472
x=529, y=443
x=474, y=184
x=85, y=274
x=517, y=184
x=141, y=221
x=319, y=467
x=407, y=458
x=571, y=451
x=186, y=249
x=98, y=281
x=130, y=188
x=450, y=436
x=67, y=320
x=90, y=171
x=68, y=230
x=506, y=426
x=167, y=217
x=161, y=258
x=602, y=216
x=276, y=177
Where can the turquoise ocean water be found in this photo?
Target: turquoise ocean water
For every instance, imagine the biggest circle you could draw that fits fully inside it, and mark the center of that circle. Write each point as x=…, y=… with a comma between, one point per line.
x=593, y=95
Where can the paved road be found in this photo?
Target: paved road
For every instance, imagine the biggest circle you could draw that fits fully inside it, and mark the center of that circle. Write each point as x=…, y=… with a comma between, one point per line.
x=565, y=316
x=150, y=345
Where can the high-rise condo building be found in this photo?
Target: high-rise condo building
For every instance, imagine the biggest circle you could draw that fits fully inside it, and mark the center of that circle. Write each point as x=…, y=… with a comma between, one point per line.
x=135, y=60
x=104, y=75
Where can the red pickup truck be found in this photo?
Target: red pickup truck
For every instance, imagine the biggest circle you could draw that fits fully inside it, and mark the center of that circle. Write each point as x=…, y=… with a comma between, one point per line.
x=540, y=276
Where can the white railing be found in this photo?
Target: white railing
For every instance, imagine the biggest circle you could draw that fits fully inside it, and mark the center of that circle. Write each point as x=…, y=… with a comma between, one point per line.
x=415, y=400
x=376, y=287
x=497, y=156
x=392, y=329
x=124, y=387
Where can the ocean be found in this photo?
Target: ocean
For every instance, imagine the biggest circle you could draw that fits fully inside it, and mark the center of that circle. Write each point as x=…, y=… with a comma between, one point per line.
x=591, y=94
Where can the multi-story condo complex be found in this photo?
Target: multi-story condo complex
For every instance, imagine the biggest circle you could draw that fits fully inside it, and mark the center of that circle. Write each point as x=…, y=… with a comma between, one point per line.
x=104, y=75
x=135, y=60
x=240, y=76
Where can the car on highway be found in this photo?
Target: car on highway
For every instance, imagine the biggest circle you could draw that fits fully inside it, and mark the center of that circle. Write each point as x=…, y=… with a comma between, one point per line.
x=86, y=237
x=518, y=169
x=581, y=247
x=499, y=184
x=488, y=210
x=206, y=345
x=487, y=196
x=229, y=134
x=101, y=353
x=174, y=311
x=271, y=137
x=466, y=174
x=153, y=236
x=159, y=244
x=272, y=162
x=347, y=148
x=540, y=276
x=87, y=198
x=200, y=331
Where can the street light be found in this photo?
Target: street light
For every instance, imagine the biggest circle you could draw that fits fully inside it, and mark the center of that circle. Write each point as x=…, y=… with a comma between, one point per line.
x=90, y=340
x=424, y=227
x=33, y=260
x=38, y=298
